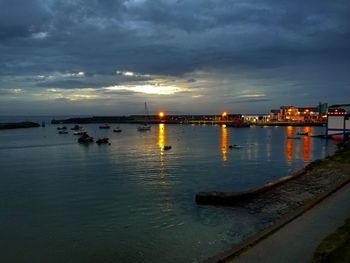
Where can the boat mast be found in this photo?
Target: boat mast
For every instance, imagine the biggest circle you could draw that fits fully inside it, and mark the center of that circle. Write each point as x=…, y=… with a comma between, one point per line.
x=146, y=113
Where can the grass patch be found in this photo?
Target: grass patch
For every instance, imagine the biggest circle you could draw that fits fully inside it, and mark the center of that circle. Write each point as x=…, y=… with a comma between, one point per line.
x=336, y=247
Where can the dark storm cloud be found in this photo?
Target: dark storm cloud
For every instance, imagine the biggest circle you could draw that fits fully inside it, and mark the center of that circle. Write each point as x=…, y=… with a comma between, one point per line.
x=272, y=42
x=168, y=36
x=20, y=18
x=69, y=84
x=249, y=100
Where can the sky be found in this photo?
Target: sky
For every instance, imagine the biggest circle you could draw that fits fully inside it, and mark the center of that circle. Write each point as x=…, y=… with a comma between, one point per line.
x=104, y=57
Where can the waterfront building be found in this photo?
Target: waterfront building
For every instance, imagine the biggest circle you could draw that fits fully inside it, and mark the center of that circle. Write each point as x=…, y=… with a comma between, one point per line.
x=338, y=120
x=256, y=118
x=274, y=115
x=295, y=114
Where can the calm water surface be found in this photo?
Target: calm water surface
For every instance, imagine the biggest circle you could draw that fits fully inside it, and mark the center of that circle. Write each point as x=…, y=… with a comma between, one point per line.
x=131, y=201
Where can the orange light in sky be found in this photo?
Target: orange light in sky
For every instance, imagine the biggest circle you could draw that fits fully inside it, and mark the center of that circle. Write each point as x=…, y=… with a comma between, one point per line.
x=161, y=114
x=224, y=114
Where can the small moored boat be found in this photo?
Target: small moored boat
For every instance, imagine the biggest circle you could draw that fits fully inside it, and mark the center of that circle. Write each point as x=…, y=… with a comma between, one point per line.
x=235, y=146
x=102, y=140
x=303, y=133
x=76, y=128
x=294, y=137
x=167, y=147
x=145, y=127
x=85, y=138
x=79, y=133
x=117, y=129
x=105, y=126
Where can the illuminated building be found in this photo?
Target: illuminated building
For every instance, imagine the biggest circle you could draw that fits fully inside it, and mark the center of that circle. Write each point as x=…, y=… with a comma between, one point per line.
x=338, y=121
x=295, y=114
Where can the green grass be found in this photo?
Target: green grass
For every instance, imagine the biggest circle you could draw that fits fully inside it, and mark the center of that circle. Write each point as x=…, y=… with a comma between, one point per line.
x=336, y=247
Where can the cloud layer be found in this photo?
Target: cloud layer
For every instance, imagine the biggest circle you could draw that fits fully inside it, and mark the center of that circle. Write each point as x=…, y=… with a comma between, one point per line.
x=196, y=56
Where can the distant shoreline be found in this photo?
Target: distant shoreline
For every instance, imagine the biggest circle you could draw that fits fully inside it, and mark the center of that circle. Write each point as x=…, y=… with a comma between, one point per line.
x=18, y=125
x=181, y=120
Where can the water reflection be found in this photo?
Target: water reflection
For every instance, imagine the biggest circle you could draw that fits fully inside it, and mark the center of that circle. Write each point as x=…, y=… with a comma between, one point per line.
x=167, y=203
x=161, y=143
x=292, y=146
x=307, y=144
x=224, y=142
x=289, y=144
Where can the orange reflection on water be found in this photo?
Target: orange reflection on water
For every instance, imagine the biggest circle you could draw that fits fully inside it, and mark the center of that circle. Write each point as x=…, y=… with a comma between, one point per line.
x=306, y=145
x=289, y=143
x=167, y=205
x=161, y=135
x=224, y=142
x=161, y=140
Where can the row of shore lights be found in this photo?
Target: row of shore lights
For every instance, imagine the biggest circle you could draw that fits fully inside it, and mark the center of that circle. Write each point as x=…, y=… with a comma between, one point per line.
x=161, y=114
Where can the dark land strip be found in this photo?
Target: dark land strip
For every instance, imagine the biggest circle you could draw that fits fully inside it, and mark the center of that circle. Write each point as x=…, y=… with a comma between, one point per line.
x=18, y=125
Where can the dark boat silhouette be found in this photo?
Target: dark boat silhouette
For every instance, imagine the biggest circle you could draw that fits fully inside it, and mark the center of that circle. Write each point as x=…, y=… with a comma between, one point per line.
x=85, y=138
x=167, y=147
x=102, y=140
x=105, y=126
x=117, y=129
x=76, y=128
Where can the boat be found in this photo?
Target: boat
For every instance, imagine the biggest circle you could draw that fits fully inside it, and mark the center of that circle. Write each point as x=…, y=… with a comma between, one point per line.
x=117, y=129
x=85, y=138
x=145, y=126
x=79, y=133
x=167, y=147
x=303, y=133
x=102, y=140
x=62, y=132
x=235, y=146
x=76, y=128
x=294, y=137
x=105, y=126
x=62, y=128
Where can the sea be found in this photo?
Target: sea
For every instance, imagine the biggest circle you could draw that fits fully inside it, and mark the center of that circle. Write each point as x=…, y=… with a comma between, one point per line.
x=131, y=201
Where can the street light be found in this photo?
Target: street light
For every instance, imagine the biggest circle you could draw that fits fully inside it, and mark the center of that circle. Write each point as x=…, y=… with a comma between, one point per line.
x=224, y=115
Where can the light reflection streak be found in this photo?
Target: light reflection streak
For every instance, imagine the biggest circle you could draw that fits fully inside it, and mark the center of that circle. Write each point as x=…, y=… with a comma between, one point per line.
x=289, y=144
x=306, y=145
x=167, y=205
x=161, y=143
x=224, y=142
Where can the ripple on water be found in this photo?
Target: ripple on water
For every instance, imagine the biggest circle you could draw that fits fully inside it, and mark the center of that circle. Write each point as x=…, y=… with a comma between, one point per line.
x=129, y=201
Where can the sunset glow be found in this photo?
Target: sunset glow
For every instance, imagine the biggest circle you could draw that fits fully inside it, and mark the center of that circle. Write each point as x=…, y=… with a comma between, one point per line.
x=148, y=89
